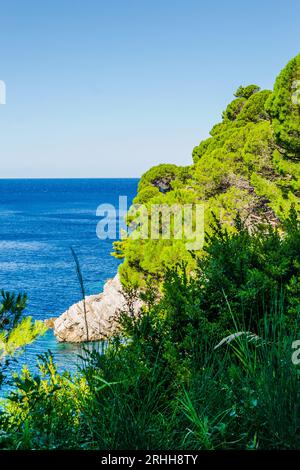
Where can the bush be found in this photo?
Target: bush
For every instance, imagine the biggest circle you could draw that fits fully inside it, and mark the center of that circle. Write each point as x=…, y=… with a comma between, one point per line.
x=170, y=379
x=15, y=331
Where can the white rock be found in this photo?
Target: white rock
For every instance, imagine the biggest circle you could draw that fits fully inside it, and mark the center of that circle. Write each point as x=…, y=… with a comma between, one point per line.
x=97, y=318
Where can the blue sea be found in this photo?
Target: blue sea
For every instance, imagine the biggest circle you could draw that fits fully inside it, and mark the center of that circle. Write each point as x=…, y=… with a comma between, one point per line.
x=41, y=219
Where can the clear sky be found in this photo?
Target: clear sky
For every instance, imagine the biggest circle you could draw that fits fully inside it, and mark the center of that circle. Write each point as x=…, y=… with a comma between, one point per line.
x=109, y=88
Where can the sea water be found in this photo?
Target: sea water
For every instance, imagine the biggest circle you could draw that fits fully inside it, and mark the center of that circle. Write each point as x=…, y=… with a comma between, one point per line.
x=40, y=220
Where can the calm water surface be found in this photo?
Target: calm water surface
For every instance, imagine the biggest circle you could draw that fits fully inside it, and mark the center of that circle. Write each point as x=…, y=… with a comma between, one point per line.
x=40, y=221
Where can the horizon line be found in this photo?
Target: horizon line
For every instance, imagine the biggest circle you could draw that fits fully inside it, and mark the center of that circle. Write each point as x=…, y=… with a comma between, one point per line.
x=68, y=177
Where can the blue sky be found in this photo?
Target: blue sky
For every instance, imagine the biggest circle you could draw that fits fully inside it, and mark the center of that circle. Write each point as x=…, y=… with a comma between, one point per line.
x=111, y=88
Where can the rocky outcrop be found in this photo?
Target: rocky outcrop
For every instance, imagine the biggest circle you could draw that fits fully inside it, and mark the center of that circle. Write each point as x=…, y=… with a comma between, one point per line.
x=96, y=318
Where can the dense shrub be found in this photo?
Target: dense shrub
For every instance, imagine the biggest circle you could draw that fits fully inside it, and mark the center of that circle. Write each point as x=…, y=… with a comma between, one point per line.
x=170, y=380
x=250, y=164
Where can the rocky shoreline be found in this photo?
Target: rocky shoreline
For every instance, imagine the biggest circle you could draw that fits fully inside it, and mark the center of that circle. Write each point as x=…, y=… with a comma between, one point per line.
x=95, y=318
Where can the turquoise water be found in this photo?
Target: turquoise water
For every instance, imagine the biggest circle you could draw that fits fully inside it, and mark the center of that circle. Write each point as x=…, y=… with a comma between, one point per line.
x=40, y=221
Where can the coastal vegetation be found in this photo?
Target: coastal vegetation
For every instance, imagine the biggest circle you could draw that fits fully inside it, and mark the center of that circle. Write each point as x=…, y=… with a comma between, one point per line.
x=15, y=331
x=249, y=164
x=210, y=360
x=207, y=366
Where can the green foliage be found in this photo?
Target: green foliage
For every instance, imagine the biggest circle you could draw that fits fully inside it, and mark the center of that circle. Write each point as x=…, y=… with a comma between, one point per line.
x=254, y=109
x=44, y=411
x=284, y=107
x=160, y=176
x=249, y=164
x=146, y=194
x=247, y=91
x=11, y=309
x=233, y=109
x=25, y=332
x=253, y=270
x=170, y=380
x=15, y=331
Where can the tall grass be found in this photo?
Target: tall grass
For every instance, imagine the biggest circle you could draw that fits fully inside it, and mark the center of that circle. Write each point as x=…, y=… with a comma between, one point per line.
x=82, y=288
x=243, y=395
x=192, y=374
x=256, y=404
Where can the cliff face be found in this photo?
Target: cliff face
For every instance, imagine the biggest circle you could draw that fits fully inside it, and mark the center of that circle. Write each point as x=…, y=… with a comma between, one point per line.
x=96, y=318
